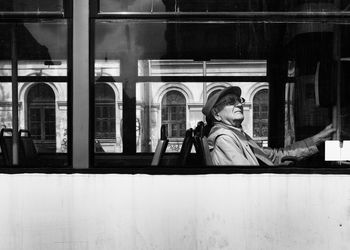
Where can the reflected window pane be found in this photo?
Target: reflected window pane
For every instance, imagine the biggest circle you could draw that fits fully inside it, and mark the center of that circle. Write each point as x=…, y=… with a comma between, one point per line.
x=32, y=5
x=42, y=68
x=217, y=5
x=5, y=67
x=41, y=48
x=42, y=117
x=260, y=114
x=107, y=67
x=188, y=42
x=5, y=105
x=108, y=117
x=44, y=42
x=202, y=68
x=179, y=105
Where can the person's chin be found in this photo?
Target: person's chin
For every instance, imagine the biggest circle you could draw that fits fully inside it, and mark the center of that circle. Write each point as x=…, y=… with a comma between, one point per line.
x=238, y=120
x=239, y=116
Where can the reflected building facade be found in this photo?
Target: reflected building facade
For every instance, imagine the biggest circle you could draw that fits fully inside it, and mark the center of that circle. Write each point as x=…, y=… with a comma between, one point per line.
x=43, y=105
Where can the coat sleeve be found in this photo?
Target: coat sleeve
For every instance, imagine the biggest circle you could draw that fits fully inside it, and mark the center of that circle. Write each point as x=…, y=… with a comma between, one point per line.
x=227, y=152
x=300, y=150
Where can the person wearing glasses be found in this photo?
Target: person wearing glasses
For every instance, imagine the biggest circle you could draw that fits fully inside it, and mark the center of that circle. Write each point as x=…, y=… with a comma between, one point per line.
x=230, y=145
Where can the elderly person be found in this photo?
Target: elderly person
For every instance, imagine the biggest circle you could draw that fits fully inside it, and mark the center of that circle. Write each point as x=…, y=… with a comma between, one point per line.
x=230, y=145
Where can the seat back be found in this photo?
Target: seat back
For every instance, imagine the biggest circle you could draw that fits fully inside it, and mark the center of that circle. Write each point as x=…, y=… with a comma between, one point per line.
x=27, y=149
x=6, y=145
x=201, y=144
x=98, y=147
x=186, y=148
x=161, y=147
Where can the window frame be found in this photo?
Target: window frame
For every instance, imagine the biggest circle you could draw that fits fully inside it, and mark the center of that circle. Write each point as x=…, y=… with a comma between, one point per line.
x=19, y=17
x=271, y=17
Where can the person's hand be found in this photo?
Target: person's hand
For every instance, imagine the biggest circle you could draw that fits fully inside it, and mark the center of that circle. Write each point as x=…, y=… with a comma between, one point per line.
x=325, y=134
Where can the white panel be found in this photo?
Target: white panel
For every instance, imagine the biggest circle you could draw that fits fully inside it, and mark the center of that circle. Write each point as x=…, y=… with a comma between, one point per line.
x=337, y=151
x=174, y=212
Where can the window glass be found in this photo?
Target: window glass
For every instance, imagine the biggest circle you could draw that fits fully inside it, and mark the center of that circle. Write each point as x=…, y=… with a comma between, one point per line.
x=345, y=103
x=179, y=107
x=174, y=114
x=108, y=117
x=41, y=116
x=107, y=67
x=43, y=111
x=297, y=62
x=218, y=5
x=44, y=43
x=42, y=87
x=31, y=5
x=202, y=68
x=260, y=116
x=6, y=105
x=194, y=41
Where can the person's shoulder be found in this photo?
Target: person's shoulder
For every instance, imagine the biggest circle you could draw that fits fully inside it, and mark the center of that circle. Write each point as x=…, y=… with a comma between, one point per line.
x=218, y=129
x=221, y=133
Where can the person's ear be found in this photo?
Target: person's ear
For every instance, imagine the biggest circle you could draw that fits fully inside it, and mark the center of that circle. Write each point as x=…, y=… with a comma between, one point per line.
x=216, y=115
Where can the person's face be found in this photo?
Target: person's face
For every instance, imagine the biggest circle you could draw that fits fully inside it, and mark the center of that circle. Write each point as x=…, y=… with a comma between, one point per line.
x=232, y=111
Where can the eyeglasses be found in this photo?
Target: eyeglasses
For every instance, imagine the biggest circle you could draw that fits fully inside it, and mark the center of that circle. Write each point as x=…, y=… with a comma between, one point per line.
x=230, y=100
x=236, y=101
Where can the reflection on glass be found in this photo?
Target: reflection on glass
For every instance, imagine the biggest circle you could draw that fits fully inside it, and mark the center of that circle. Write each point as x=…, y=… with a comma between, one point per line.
x=195, y=41
x=43, y=111
x=43, y=41
x=107, y=67
x=345, y=103
x=202, y=68
x=261, y=116
x=108, y=117
x=178, y=106
x=32, y=5
x=5, y=105
x=218, y=5
x=41, y=48
x=42, y=68
x=5, y=68
x=41, y=52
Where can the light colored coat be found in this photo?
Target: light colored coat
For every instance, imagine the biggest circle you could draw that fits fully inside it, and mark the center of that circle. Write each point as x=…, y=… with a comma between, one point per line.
x=231, y=146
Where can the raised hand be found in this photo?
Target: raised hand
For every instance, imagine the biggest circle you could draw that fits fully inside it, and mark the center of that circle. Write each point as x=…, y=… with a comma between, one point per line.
x=325, y=134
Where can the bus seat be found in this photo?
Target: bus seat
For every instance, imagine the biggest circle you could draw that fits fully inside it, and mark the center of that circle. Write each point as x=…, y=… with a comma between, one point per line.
x=6, y=145
x=186, y=148
x=161, y=147
x=27, y=150
x=28, y=154
x=201, y=144
x=98, y=147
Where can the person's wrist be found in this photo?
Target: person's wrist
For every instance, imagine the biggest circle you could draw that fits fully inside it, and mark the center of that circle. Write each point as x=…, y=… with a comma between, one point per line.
x=316, y=139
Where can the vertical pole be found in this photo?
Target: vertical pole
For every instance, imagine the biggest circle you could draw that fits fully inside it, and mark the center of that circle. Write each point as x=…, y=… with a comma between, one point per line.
x=128, y=72
x=14, y=77
x=81, y=119
x=336, y=119
x=204, y=86
x=145, y=127
x=276, y=73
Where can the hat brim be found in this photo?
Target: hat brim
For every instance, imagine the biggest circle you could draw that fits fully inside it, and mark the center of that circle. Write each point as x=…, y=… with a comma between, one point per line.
x=216, y=97
x=230, y=90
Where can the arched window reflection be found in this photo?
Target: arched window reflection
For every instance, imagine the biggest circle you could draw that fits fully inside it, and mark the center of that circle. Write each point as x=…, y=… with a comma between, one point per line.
x=260, y=113
x=174, y=113
x=104, y=112
x=41, y=116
